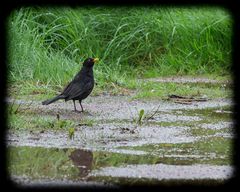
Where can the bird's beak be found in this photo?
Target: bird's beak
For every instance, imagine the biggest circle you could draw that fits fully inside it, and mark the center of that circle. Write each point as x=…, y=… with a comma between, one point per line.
x=95, y=60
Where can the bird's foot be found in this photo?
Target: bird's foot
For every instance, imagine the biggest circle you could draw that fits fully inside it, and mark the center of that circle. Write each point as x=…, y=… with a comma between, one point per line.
x=83, y=112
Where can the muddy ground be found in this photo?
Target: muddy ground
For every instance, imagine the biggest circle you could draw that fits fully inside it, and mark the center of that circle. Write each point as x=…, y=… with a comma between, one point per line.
x=108, y=144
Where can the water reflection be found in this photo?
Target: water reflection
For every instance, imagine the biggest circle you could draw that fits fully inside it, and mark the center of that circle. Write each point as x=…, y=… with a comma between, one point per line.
x=83, y=160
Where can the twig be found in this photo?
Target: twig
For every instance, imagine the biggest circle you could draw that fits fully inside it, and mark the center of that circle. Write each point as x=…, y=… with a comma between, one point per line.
x=183, y=102
x=181, y=99
x=150, y=117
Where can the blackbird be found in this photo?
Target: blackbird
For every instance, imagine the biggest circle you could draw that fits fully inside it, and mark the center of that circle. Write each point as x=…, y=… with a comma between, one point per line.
x=80, y=87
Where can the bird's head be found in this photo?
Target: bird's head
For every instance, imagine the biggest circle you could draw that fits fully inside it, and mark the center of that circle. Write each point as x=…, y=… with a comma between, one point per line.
x=89, y=62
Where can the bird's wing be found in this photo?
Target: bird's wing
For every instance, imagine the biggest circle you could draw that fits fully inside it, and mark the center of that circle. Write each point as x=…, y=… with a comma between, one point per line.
x=75, y=89
x=75, y=80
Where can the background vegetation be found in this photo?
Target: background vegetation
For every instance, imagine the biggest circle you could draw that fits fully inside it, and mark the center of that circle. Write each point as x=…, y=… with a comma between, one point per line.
x=46, y=45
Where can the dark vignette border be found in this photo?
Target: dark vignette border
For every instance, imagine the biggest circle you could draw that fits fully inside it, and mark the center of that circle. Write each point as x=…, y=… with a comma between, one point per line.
x=230, y=5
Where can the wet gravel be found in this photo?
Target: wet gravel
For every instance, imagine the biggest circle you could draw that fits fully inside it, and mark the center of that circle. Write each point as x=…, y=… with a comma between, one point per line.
x=115, y=126
x=102, y=137
x=184, y=79
x=116, y=123
x=217, y=126
x=121, y=108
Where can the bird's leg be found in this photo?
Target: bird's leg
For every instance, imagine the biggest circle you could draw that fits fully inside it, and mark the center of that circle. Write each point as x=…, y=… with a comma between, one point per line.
x=75, y=109
x=80, y=102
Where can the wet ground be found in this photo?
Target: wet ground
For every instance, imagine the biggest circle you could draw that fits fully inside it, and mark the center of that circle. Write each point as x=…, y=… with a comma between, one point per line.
x=189, y=79
x=111, y=144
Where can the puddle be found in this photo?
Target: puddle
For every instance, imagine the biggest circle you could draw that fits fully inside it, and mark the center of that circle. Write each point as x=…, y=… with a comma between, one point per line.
x=162, y=172
x=69, y=166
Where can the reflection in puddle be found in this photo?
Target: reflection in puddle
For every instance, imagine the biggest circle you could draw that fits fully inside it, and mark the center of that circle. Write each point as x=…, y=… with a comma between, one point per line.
x=83, y=160
x=29, y=165
x=49, y=163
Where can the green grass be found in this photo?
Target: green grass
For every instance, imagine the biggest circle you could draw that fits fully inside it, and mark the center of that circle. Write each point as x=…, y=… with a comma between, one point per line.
x=47, y=45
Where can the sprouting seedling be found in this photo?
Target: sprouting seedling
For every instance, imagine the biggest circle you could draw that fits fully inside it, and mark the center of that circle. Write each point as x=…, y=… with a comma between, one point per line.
x=140, y=117
x=71, y=131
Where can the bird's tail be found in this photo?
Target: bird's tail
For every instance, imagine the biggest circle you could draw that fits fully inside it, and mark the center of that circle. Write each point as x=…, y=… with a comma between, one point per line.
x=49, y=101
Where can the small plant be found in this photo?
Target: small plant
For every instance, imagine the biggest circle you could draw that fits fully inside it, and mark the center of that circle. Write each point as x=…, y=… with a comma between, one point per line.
x=62, y=123
x=145, y=117
x=140, y=117
x=71, y=132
